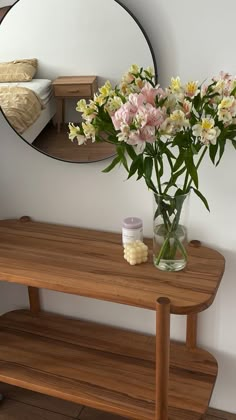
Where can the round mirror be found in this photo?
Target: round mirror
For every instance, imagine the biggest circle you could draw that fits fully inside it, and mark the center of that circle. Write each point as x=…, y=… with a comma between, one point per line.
x=54, y=53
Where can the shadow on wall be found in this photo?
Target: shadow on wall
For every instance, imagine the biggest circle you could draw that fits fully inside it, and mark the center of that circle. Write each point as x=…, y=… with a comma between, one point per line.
x=12, y=297
x=225, y=380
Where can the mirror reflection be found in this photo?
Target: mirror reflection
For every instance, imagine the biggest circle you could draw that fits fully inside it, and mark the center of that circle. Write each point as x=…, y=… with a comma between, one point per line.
x=54, y=53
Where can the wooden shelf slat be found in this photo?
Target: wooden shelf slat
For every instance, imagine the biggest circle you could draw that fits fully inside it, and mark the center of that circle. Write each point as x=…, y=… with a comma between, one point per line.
x=90, y=263
x=103, y=367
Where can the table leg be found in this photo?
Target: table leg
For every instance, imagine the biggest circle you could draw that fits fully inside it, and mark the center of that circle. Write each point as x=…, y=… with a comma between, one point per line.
x=59, y=114
x=191, y=331
x=34, y=299
x=162, y=357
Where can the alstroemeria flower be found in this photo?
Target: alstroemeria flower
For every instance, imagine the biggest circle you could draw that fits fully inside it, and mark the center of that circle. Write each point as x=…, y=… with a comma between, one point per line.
x=136, y=100
x=75, y=133
x=123, y=115
x=81, y=105
x=113, y=104
x=187, y=107
x=139, y=138
x=124, y=133
x=150, y=93
x=179, y=120
x=176, y=86
x=191, y=89
x=227, y=109
x=206, y=131
x=89, y=131
x=99, y=99
x=106, y=90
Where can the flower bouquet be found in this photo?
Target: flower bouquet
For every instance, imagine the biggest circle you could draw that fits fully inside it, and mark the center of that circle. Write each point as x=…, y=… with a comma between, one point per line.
x=162, y=136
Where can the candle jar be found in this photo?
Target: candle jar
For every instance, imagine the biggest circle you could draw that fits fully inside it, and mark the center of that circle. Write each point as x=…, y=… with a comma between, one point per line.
x=132, y=230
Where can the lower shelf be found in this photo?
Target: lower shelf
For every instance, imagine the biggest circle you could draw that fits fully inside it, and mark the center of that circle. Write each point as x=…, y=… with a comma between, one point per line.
x=103, y=367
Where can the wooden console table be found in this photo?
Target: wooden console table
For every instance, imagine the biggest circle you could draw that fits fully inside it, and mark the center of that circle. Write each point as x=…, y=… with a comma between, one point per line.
x=107, y=368
x=72, y=87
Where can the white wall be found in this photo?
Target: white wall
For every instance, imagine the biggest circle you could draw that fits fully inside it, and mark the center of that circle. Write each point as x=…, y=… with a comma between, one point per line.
x=193, y=40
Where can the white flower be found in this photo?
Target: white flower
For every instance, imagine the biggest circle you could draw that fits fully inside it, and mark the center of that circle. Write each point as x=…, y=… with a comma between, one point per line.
x=179, y=119
x=227, y=109
x=124, y=134
x=227, y=102
x=206, y=131
x=191, y=89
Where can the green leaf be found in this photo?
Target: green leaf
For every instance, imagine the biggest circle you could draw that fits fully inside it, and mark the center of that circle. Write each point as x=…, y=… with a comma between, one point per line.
x=222, y=143
x=191, y=167
x=201, y=196
x=112, y=165
x=131, y=152
x=161, y=168
x=135, y=165
x=121, y=153
x=150, y=184
x=234, y=143
x=148, y=165
x=149, y=150
x=213, y=151
x=177, y=175
x=180, y=140
x=178, y=163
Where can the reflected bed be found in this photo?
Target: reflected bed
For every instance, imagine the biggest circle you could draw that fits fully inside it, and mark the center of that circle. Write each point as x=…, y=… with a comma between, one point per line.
x=28, y=106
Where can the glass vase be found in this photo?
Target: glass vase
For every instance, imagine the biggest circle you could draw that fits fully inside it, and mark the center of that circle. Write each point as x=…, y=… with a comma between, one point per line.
x=170, y=232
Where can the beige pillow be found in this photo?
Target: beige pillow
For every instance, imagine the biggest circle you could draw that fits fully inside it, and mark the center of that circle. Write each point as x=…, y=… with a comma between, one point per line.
x=18, y=70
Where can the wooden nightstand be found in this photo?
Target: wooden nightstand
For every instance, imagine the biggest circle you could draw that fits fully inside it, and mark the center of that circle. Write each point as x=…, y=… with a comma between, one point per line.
x=72, y=87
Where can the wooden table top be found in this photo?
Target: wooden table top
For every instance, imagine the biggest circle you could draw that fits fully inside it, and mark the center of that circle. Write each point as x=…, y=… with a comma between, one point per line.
x=90, y=263
x=68, y=80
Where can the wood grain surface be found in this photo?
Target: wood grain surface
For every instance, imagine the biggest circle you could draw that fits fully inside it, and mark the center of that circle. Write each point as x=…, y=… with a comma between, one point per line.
x=103, y=367
x=29, y=402
x=90, y=263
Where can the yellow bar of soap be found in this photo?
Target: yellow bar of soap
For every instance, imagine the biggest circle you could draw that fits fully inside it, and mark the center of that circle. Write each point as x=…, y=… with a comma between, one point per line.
x=135, y=252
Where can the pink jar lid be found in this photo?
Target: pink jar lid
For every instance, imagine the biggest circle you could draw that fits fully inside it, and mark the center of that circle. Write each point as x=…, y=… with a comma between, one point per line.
x=132, y=223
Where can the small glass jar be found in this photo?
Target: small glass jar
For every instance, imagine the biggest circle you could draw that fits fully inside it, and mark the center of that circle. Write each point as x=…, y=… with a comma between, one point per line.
x=132, y=230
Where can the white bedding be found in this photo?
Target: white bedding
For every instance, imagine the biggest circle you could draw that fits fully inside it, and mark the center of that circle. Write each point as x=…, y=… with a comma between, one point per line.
x=46, y=115
x=42, y=87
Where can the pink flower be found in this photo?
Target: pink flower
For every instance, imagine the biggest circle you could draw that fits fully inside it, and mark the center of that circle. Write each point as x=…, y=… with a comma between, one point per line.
x=136, y=100
x=222, y=76
x=155, y=116
x=140, y=137
x=149, y=93
x=123, y=116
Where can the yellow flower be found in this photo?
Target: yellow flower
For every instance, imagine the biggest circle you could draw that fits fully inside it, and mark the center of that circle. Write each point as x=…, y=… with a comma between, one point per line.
x=81, y=105
x=113, y=104
x=76, y=133
x=191, y=89
x=207, y=123
x=89, y=131
x=106, y=89
x=175, y=84
x=150, y=70
x=134, y=69
x=227, y=102
x=99, y=99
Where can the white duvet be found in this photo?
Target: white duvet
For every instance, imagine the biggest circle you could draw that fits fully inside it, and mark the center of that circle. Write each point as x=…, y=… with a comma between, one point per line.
x=42, y=87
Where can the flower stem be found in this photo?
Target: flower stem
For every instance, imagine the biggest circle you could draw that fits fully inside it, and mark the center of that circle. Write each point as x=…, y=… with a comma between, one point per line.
x=157, y=175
